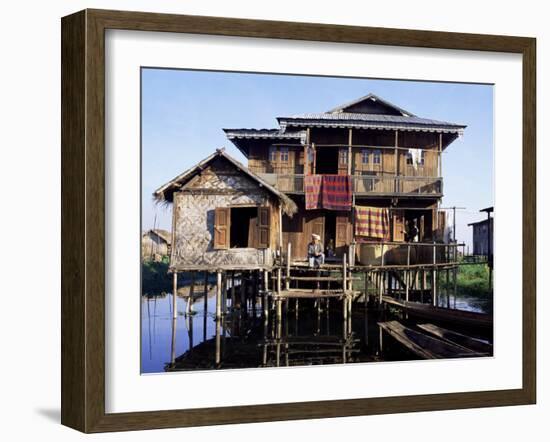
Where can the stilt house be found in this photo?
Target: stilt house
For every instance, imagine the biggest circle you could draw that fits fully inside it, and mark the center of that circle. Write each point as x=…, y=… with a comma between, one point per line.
x=362, y=173
x=155, y=244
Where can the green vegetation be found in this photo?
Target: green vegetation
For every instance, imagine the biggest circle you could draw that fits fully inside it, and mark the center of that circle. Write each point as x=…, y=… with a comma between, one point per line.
x=155, y=278
x=473, y=281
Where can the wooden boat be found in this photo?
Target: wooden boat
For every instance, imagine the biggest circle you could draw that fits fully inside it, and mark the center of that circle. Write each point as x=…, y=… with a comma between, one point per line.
x=442, y=314
x=458, y=338
x=423, y=345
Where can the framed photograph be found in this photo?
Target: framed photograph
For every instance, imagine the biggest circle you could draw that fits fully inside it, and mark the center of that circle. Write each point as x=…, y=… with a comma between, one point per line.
x=267, y=221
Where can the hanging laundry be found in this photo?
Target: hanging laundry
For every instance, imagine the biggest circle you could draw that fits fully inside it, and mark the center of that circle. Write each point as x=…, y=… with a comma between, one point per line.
x=416, y=157
x=336, y=190
x=312, y=185
x=448, y=233
x=372, y=222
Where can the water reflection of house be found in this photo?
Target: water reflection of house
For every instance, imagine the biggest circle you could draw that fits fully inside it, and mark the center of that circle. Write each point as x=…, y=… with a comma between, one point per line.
x=313, y=174
x=155, y=244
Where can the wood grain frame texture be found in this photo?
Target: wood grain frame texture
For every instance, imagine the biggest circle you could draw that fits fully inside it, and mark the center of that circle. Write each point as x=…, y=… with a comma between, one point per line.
x=83, y=218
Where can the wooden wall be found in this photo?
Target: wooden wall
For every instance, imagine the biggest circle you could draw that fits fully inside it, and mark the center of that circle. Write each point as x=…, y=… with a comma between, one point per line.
x=194, y=213
x=259, y=160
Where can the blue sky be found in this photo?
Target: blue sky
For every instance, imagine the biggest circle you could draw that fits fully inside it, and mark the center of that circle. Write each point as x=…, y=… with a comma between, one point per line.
x=183, y=113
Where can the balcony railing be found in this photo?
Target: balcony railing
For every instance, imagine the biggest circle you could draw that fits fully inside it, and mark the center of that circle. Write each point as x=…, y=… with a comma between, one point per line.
x=366, y=184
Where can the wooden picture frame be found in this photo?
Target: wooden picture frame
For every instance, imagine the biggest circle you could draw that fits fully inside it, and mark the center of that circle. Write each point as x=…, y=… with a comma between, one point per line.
x=83, y=220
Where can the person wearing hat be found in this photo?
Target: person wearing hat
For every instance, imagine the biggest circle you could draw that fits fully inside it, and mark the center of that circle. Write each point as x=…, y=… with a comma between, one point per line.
x=315, y=253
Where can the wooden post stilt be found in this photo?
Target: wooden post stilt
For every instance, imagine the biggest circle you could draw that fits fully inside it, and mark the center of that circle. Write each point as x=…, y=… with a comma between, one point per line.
x=448, y=288
x=265, y=294
x=173, y=342
x=380, y=288
x=344, y=338
x=345, y=308
x=233, y=290
x=218, y=356
x=434, y=277
x=344, y=273
x=189, y=306
x=278, y=337
x=288, y=259
x=407, y=272
x=254, y=292
x=366, y=295
x=205, y=306
x=189, y=321
x=218, y=295
x=175, y=295
x=455, y=268
x=242, y=301
x=422, y=285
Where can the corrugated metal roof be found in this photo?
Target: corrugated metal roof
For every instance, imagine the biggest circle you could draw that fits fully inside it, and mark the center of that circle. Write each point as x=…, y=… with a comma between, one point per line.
x=372, y=97
x=348, y=116
x=368, y=121
x=263, y=133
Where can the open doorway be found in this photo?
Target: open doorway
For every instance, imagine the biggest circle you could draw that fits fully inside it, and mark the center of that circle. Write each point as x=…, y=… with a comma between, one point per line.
x=243, y=223
x=422, y=220
x=326, y=162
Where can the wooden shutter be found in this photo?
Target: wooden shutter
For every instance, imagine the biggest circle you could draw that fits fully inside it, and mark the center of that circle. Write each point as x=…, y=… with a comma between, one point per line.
x=342, y=166
x=398, y=226
x=264, y=218
x=318, y=226
x=342, y=231
x=222, y=224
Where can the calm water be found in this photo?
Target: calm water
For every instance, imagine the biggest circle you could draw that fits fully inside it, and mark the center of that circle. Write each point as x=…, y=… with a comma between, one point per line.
x=306, y=336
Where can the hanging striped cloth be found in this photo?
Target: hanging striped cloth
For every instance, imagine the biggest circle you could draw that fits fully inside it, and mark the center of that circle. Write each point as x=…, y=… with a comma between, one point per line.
x=337, y=192
x=312, y=185
x=372, y=222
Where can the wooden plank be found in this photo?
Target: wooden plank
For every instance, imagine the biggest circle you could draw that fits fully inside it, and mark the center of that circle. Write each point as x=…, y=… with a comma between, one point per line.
x=314, y=294
x=320, y=278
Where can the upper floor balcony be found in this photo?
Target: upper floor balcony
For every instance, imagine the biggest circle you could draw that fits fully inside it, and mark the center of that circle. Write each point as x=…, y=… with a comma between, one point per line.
x=365, y=185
